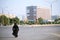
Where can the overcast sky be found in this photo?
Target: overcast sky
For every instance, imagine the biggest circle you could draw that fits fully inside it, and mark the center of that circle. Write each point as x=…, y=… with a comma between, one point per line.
x=18, y=7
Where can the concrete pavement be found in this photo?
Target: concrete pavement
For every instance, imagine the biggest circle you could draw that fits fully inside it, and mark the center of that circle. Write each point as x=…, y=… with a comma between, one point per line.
x=31, y=33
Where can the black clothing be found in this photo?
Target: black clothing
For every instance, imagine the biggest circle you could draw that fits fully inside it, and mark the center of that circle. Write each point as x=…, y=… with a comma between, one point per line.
x=15, y=30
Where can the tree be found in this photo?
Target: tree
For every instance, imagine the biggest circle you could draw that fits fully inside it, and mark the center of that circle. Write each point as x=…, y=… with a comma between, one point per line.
x=22, y=22
x=57, y=21
x=0, y=20
x=11, y=21
x=16, y=19
x=30, y=22
x=40, y=20
x=4, y=20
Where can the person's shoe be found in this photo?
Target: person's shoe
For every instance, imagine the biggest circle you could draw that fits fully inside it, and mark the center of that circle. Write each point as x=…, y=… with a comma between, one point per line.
x=16, y=36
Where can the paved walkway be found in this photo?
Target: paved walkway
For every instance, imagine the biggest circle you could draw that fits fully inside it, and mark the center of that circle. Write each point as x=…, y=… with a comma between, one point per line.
x=31, y=33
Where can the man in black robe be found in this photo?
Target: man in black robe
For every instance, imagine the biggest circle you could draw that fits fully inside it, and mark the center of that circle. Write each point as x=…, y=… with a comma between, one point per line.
x=15, y=30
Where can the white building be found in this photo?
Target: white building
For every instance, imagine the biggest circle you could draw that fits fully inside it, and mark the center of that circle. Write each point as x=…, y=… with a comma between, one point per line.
x=8, y=15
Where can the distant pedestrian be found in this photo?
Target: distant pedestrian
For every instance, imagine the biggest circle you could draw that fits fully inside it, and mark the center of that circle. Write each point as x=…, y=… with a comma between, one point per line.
x=15, y=30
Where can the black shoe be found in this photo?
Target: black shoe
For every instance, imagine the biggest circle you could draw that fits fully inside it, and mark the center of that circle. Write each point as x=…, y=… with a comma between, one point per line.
x=16, y=36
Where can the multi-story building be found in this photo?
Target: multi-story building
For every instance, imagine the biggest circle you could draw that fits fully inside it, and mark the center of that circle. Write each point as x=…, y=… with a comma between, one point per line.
x=34, y=12
x=8, y=15
x=55, y=17
x=31, y=13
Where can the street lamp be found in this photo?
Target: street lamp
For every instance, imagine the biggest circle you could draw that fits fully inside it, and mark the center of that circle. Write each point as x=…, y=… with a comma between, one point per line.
x=51, y=8
x=51, y=4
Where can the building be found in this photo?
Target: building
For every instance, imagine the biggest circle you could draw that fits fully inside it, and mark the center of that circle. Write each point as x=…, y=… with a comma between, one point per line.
x=55, y=17
x=34, y=12
x=8, y=15
x=31, y=13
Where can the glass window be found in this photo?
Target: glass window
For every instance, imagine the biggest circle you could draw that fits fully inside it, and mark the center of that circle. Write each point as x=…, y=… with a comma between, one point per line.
x=34, y=14
x=34, y=9
x=28, y=15
x=28, y=11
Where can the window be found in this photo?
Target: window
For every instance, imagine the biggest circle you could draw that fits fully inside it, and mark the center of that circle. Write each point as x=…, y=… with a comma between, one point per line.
x=34, y=14
x=28, y=11
x=34, y=9
x=28, y=15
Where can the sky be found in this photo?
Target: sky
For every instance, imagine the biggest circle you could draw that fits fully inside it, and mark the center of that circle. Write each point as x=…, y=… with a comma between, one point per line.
x=18, y=7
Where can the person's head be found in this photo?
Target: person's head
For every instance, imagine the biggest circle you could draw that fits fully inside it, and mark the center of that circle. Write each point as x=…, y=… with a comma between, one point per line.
x=15, y=24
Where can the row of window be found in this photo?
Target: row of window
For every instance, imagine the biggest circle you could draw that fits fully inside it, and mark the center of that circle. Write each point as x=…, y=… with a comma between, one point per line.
x=28, y=11
x=28, y=14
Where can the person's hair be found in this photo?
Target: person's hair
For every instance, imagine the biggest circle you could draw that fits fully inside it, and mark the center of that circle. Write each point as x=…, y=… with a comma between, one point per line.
x=15, y=23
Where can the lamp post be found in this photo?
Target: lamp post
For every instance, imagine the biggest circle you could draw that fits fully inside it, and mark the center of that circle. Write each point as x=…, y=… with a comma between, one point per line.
x=51, y=4
x=51, y=8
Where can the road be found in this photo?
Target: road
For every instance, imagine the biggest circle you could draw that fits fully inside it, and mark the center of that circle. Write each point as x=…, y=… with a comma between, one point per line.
x=31, y=33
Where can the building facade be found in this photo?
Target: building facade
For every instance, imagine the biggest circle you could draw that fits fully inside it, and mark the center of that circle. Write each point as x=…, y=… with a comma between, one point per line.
x=31, y=13
x=34, y=12
x=55, y=17
x=8, y=15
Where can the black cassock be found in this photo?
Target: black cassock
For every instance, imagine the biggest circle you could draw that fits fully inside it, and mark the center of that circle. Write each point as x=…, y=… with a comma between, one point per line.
x=15, y=30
